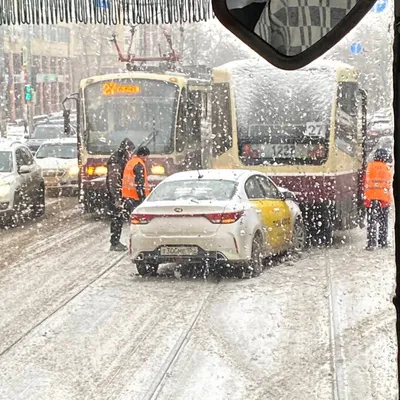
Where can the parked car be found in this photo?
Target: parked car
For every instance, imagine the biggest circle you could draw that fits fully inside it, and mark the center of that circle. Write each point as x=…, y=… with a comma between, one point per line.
x=58, y=159
x=226, y=218
x=377, y=129
x=43, y=132
x=21, y=183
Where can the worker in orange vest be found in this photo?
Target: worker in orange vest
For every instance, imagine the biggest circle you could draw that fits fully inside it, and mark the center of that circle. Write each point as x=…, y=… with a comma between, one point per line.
x=135, y=184
x=378, y=198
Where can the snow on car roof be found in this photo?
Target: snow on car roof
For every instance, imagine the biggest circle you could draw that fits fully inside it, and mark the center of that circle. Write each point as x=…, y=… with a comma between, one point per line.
x=214, y=174
x=7, y=144
x=67, y=140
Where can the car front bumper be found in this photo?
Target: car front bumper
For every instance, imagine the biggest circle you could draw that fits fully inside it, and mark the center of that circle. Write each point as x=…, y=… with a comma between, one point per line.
x=53, y=184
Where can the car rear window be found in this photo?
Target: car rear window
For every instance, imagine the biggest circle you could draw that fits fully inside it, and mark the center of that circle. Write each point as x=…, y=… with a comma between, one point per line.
x=66, y=150
x=48, y=132
x=198, y=189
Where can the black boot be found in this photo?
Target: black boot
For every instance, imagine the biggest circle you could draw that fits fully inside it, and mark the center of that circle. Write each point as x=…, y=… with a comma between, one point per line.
x=118, y=247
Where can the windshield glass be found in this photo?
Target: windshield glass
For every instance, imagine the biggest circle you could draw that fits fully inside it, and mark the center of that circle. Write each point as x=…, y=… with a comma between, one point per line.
x=282, y=117
x=67, y=150
x=142, y=110
x=48, y=132
x=216, y=190
x=6, y=161
x=259, y=260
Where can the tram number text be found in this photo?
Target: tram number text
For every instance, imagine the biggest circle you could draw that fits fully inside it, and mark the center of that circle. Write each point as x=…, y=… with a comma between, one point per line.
x=282, y=150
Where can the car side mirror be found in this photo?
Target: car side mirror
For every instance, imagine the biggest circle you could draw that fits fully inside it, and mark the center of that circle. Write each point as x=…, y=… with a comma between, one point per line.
x=24, y=169
x=288, y=195
x=276, y=31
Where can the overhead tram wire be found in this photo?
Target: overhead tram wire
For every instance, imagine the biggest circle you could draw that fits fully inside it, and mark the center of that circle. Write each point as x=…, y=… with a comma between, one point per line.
x=106, y=12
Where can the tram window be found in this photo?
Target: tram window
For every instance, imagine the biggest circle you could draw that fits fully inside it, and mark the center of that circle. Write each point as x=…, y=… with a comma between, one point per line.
x=181, y=126
x=346, y=117
x=195, y=110
x=221, y=119
x=347, y=97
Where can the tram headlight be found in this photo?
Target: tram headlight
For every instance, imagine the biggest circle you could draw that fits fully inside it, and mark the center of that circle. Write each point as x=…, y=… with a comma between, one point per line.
x=157, y=170
x=100, y=170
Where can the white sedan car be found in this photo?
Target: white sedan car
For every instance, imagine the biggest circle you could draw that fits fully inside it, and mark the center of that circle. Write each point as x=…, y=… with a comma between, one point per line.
x=232, y=218
x=58, y=159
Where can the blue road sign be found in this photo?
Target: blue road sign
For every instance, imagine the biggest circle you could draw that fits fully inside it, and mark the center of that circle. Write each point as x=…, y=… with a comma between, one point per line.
x=102, y=4
x=356, y=48
x=380, y=6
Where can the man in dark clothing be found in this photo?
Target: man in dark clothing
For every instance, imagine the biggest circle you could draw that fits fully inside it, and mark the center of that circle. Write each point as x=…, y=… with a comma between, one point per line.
x=135, y=185
x=115, y=169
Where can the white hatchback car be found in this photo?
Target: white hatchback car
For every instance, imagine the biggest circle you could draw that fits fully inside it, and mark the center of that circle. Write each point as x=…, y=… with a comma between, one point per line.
x=215, y=217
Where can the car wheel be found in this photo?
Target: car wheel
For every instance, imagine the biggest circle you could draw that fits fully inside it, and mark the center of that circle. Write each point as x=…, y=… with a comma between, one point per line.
x=39, y=203
x=147, y=269
x=255, y=266
x=299, y=239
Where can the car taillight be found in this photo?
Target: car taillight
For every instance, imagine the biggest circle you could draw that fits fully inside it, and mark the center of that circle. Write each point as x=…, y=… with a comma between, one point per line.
x=224, y=218
x=141, y=219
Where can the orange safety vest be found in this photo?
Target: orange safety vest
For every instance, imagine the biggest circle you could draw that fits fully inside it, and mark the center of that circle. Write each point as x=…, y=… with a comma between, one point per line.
x=128, y=181
x=378, y=182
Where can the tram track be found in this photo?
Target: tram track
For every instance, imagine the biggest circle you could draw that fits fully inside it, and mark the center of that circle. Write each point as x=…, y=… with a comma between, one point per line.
x=157, y=384
x=338, y=368
x=93, y=280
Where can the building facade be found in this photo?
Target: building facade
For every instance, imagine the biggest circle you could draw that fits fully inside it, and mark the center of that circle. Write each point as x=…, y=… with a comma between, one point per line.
x=40, y=56
x=53, y=59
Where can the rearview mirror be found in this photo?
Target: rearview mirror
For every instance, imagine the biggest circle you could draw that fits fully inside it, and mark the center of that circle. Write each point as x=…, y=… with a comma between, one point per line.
x=288, y=33
x=24, y=169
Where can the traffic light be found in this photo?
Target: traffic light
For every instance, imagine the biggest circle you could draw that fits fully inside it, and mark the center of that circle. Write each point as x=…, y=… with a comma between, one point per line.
x=28, y=93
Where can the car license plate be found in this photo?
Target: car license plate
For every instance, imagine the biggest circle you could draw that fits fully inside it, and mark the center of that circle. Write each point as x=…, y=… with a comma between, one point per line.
x=51, y=182
x=179, y=251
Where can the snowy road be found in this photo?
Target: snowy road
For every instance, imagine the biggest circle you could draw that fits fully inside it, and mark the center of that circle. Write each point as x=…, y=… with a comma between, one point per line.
x=77, y=323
